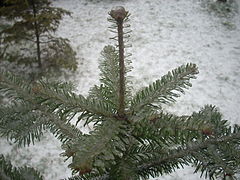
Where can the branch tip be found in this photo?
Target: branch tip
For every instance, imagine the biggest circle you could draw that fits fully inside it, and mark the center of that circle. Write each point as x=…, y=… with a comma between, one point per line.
x=118, y=13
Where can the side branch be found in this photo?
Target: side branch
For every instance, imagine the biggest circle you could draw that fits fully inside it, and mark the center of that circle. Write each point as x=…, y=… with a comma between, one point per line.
x=166, y=89
x=190, y=150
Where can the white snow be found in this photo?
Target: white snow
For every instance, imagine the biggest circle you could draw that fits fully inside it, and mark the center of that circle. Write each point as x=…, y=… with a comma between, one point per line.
x=166, y=34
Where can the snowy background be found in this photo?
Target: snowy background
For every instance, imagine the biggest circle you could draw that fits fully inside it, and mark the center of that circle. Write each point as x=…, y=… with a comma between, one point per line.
x=166, y=34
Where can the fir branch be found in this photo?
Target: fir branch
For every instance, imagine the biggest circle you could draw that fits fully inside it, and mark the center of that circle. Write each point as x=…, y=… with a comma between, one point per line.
x=8, y=172
x=165, y=89
x=125, y=168
x=188, y=154
x=160, y=134
x=161, y=127
x=223, y=159
x=62, y=129
x=97, y=150
x=56, y=96
x=33, y=116
x=90, y=177
x=24, y=123
x=14, y=87
x=21, y=123
x=108, y=90
x=59, y=99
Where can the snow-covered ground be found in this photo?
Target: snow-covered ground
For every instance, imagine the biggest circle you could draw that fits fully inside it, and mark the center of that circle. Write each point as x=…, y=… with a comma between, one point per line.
x=166, y=34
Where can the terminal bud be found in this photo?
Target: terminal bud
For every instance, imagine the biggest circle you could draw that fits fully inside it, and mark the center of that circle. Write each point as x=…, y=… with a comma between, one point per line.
x=118, y=13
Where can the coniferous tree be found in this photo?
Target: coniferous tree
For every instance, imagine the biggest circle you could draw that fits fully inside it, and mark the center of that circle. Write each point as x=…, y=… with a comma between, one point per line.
x=32, y=28
x=132, y=137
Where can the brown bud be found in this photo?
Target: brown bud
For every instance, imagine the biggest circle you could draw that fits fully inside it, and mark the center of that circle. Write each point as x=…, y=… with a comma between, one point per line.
x=207, y=132
x=118, y=13
x=36, y=88
x=84, y=171
x=153, y=118
x=228, y=174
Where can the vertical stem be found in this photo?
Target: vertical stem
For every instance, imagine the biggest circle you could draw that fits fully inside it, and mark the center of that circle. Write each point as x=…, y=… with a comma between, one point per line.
x=121, y=70
x=37, y=35
x=119, y=14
